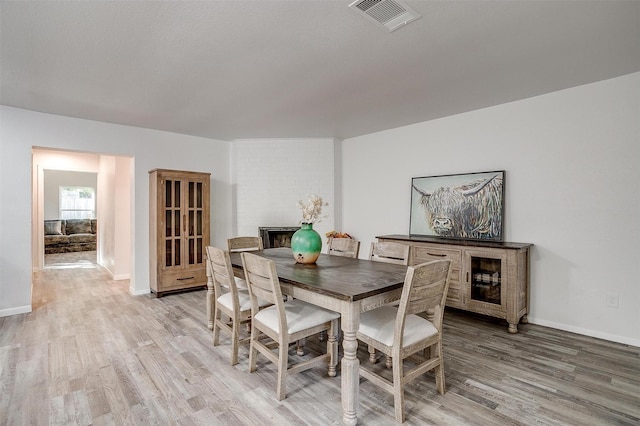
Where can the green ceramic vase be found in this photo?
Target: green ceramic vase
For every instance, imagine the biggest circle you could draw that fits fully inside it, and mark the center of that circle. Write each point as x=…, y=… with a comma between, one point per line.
x=306, y=244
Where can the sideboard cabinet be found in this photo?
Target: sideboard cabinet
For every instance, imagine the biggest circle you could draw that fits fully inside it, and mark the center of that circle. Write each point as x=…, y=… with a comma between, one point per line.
x=487, y=277
x=178, y=229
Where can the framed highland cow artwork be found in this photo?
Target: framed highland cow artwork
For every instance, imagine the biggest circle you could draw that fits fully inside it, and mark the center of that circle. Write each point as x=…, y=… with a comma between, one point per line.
x=461, y=206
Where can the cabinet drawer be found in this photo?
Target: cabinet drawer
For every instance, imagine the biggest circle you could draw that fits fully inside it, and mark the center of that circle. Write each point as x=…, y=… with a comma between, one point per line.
x=183, y=279
x=423, y=254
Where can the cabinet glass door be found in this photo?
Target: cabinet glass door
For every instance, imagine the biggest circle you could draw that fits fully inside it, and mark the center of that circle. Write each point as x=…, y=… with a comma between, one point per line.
x=486, y=279
x=173, y=235
x=195, y=244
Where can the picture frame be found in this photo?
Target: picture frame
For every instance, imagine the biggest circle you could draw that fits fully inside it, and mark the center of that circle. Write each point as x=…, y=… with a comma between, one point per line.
x=468, y=206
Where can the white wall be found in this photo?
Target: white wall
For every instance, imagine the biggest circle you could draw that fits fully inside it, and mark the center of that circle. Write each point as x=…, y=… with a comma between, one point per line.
x=106, y=213
x=54, y=179
x=20, y=130
x=572, y=161
x=271, y=175
x=115, y=216
x=122, y=218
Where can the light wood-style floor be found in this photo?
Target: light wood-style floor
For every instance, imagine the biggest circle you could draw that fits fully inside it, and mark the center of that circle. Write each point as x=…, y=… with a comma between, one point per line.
x=90, y=353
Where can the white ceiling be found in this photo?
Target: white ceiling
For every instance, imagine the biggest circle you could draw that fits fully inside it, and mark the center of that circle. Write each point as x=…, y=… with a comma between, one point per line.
x=262, y=69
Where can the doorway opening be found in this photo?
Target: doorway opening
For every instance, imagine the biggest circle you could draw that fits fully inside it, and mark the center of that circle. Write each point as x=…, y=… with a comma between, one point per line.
x=72, y=230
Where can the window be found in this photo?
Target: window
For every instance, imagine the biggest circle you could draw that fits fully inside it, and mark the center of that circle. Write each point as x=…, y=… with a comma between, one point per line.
x=77, y=202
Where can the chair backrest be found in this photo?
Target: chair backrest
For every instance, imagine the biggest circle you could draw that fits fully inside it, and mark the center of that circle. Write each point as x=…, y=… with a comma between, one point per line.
x=221, y=272
x=390, y=252
x=346, y=247
x=425, y=290
x=245, y=244
x=263, y=283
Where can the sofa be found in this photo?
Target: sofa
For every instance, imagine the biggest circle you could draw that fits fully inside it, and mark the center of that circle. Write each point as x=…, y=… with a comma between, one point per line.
x=68, y=235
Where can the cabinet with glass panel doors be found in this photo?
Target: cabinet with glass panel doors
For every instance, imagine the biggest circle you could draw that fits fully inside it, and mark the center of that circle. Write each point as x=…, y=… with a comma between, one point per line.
x=178, y=229
x=487, y=277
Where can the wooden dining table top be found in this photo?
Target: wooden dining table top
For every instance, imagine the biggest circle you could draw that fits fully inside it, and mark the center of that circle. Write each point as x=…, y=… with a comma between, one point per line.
x=340, y=277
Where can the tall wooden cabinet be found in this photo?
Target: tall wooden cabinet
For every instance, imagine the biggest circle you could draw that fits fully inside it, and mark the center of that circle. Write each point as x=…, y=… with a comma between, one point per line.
x=178, y=229
x=488, y=277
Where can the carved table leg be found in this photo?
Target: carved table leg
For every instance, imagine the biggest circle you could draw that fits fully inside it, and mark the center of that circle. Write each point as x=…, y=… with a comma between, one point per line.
x=372, y=355
x=513, y=328
x=210, y=300
x=300, y=347
x=350, y=365
x=332, y=348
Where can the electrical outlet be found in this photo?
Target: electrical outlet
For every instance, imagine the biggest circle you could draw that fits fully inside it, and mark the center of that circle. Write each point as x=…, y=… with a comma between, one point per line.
x=612, y=300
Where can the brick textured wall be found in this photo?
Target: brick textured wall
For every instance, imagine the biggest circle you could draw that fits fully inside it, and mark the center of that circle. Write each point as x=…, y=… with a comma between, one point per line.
x=271, y=175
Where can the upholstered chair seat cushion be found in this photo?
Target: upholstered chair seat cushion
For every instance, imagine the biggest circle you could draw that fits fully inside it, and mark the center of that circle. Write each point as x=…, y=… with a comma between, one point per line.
x=244, y=300
x=379, y=324
x=300, y=316
x=241, y=283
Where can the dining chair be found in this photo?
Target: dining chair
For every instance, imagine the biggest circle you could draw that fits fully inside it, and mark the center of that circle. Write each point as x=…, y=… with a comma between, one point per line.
x=284, y=322
x=245, y=244
x=412, y=327
x=238, y=244
x=228, y=301
x=390, y=252
x=346, y=247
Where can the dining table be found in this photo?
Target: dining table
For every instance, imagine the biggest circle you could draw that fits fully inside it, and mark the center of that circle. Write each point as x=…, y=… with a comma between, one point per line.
x=341, y=284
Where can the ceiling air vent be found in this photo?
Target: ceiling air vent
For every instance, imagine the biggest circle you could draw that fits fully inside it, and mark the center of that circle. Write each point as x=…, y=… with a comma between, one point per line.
x=389, y=14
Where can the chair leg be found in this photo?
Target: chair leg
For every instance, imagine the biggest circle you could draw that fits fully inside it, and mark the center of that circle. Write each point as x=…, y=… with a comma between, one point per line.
x=300, y=347
x=398, y=389
x=211, y=306
x=283, y=357
x=332, y=348
x=253, y=352
x=426, y=352
x=439, y=370
x=216, y=328
x=321, y=336
x=372, y=355
x=235, y=338
x=389, y=362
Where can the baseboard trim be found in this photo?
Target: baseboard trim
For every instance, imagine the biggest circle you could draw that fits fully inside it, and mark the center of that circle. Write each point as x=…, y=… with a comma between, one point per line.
x=135, y=292
x=120, y=277
x=591, y=333
x=115, y=277
x=15, y=311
